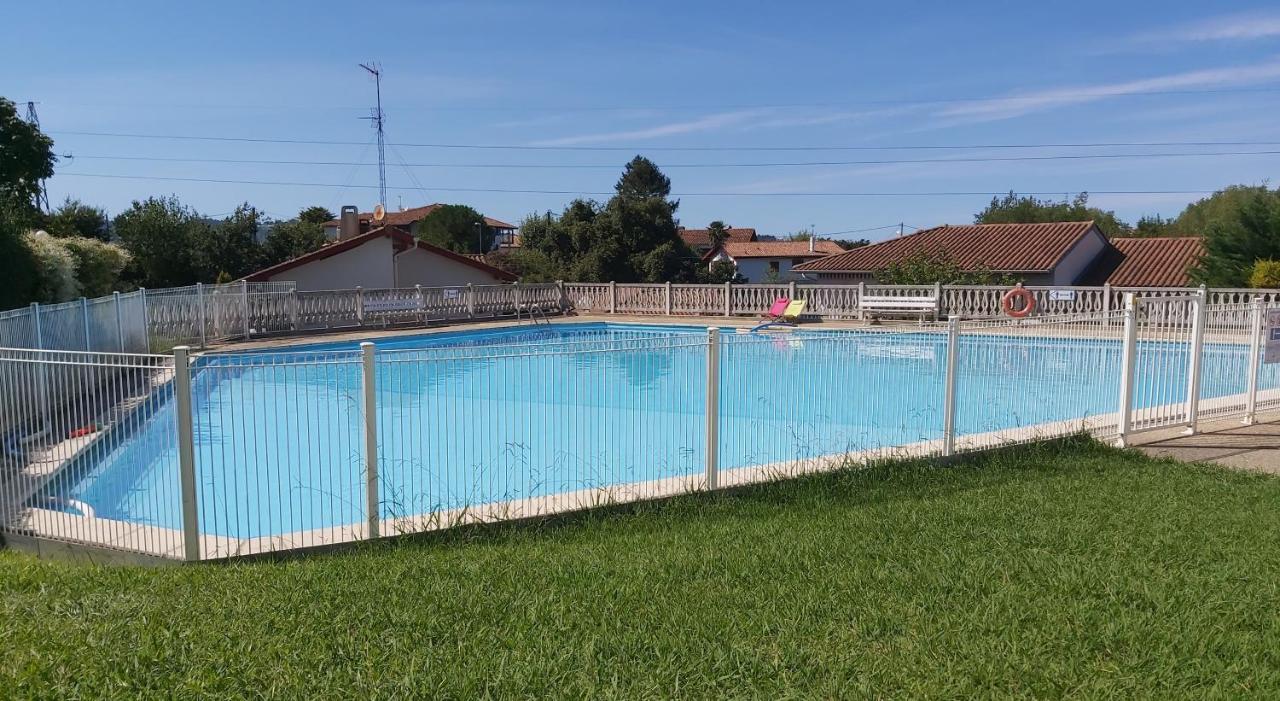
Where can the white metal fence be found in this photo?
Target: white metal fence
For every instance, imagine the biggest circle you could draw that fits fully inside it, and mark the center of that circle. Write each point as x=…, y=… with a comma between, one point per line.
x=225, y=454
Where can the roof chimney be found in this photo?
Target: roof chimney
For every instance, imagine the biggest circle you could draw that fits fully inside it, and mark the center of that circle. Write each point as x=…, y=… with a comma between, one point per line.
x=811, y=246
x=348, y=222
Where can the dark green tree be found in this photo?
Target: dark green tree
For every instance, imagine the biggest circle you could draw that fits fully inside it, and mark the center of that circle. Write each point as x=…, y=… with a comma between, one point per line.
x=723, y=271
x=718, y=232
x=74, y=218
x=18, y=267
x=641, y=179
x=26, y=158
x=1241, y=226
x=229, y=249
x=162, y=235
x=1155, y=226
x=1016, y=209
x=850, y=244
x=297, y=236
x=453, y=226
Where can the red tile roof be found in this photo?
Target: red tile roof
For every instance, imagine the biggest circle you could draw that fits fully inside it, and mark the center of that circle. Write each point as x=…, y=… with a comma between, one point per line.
x=413, y=214
x=778, y=249
x=1147, y=262
x=403, y=240
x=1013, y=248
x=701, y=238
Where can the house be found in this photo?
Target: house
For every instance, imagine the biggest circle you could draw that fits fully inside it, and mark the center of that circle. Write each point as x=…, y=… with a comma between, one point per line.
x=764, y=261
x=407, y=219
x=700, y=239
x=383, y=257
x=1147, y=262
x=1058, y=253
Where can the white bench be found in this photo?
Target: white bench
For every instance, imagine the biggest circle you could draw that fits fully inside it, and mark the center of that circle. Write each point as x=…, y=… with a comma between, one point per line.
x=878, y=305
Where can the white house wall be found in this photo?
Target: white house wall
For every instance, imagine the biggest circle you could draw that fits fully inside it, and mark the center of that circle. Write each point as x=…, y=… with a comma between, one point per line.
x=366, y=265
x=419, y=267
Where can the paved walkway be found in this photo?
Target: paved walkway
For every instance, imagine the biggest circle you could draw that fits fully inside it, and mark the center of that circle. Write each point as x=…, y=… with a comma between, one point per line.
x=1226, y=442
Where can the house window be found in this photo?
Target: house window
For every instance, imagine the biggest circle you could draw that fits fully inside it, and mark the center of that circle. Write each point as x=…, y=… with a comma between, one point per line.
x=773, y=266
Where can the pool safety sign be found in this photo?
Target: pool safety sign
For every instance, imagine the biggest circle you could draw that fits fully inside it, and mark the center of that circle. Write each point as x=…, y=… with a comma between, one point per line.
x=1271, y=338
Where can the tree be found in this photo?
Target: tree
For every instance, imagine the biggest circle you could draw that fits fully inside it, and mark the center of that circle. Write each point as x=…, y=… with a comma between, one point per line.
x=17, y=264
x=1265, y=275
x=229, y=249
x=1015, y=209
x=161, y=235
x=74, y=218
x=453, y=226
x=295, y=237
x=849, y=245
x=642, y=180
x=631, y=238
x=1153, y=226
x=1241, y=226
x=718, y=233
x=928, y=268
x=723, y=271
x=26, y=158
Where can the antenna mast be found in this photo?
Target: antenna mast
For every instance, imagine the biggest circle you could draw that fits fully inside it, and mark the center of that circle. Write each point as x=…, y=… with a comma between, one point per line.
x=376, y=71
x=42, y=196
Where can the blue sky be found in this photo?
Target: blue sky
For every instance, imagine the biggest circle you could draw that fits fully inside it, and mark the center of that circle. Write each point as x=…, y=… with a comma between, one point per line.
x=640, y=77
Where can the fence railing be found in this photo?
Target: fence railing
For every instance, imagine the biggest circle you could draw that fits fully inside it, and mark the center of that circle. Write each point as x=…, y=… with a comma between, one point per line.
x=187, y=457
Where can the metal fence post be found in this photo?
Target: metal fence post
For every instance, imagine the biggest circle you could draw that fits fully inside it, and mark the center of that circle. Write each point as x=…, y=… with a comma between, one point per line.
x=204, y=315
x=186, y=452
x=713, y=407
x=372, y=500
x=949, y=393
x=84, y=316
x=1255, y=352
x=471, y=301
x=244, y=298
x=360, y=305
x=146, y=319
x=666, y=306
x=728, y=299
x=1195, y=362
x=119, y=321
x=613, y=297
x=1128, y=357
x=38, y=329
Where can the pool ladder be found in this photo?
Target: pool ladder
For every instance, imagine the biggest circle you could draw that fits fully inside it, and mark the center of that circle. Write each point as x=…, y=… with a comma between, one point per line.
x=535, y=311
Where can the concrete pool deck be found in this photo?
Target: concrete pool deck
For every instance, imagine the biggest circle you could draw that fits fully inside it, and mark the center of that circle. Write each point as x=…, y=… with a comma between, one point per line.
x=1228, y=442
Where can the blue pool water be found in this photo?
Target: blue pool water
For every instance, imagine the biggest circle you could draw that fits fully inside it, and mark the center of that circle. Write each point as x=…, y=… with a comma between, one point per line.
x=467, y=418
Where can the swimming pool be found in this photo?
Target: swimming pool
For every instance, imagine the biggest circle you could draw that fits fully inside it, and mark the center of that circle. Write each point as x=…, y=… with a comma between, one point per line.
x=476, y=417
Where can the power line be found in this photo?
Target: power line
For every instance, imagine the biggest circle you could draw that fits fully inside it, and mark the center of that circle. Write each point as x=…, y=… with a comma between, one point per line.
x=671, y=107
x=522, y=147
x=614, y=166
x=1058, y=191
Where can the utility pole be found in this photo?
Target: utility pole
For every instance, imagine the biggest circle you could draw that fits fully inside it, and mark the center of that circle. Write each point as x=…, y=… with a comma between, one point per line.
x=376, y=71
x=42, y=196
x=901, y=227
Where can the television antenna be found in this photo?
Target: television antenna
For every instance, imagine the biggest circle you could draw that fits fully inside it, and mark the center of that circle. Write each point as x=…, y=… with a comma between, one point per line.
x=376, y=118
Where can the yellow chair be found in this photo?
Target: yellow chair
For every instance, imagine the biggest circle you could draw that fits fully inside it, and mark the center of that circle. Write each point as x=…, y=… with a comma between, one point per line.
x=794, y=310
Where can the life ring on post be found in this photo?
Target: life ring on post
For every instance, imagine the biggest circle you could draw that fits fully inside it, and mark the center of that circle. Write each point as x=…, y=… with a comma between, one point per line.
x=1012, y=296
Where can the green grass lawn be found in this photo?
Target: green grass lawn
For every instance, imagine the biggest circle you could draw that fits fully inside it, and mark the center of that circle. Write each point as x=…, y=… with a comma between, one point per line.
x=1070, y=569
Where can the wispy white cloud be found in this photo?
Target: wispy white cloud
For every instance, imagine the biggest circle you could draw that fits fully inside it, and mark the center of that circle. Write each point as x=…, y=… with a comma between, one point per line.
x=1234, y=27
x=710, y=122
x=1037, y=101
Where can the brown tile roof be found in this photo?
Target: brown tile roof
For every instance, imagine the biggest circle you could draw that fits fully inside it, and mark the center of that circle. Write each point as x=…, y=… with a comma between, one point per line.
x=1146, y=262
x=403, y=239
x=700, y=238
x=413, y=214
x=1021, y=248
x=779, y=249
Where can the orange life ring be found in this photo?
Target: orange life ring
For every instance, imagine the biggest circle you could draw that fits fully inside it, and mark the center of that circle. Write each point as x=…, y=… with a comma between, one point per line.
x=1022, y=293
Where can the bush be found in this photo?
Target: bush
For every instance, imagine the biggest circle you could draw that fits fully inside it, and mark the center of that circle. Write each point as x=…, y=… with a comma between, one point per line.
x=98, y=264
x=1265, y=274
x=55, y=268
